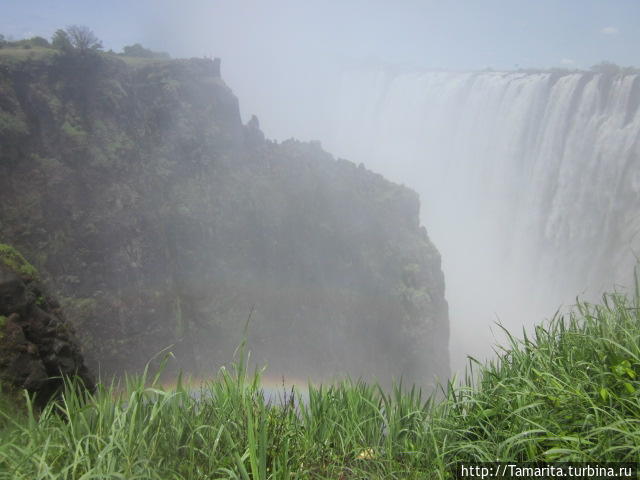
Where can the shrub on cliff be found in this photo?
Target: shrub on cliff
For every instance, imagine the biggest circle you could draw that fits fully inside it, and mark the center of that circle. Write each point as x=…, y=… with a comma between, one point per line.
x=137, y=50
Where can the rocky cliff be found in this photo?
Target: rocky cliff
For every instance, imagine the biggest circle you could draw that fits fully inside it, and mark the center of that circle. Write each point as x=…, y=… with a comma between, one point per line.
x=160, y=219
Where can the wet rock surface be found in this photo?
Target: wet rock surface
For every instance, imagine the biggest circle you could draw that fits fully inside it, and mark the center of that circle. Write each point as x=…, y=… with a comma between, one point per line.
x=37, y=345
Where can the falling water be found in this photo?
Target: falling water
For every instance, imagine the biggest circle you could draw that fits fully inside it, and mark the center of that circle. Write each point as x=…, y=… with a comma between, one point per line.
x=530, y=182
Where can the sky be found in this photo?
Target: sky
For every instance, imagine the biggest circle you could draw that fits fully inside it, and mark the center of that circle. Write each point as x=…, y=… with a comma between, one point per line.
x=283, y=57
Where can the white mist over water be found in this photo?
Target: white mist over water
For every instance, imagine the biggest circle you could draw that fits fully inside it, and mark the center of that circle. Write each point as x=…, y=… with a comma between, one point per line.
x=530, y=183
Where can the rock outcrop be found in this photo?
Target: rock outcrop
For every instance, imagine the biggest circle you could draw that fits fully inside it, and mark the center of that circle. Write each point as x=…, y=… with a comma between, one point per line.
x=37, y=344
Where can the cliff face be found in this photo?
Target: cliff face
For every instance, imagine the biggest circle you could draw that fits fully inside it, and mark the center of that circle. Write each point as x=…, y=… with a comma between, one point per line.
x=161, y=219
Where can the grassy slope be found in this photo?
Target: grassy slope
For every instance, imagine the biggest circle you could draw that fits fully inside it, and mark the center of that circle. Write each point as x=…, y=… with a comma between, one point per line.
x=24, y=53
x=569, y=393
x=19, y=54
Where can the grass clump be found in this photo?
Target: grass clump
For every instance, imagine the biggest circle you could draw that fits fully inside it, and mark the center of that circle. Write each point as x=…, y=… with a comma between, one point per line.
x=568, y=393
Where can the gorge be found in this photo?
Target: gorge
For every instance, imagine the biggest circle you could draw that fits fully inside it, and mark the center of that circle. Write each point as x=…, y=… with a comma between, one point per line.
x=319, y=240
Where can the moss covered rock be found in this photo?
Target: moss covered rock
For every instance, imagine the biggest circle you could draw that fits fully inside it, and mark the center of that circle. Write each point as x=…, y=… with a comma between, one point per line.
x=15, y=262
x=37, y=345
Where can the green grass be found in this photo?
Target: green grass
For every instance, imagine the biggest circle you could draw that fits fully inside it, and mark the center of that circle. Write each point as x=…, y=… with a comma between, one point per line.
x=15, y=55
x=18, y=54
x=571, y=392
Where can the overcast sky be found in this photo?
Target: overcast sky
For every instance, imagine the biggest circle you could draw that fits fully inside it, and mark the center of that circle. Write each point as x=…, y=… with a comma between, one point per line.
x=281, y=57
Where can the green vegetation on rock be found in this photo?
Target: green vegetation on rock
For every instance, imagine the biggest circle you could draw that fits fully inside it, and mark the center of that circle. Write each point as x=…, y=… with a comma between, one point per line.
x=16, y=262
x=3, y=322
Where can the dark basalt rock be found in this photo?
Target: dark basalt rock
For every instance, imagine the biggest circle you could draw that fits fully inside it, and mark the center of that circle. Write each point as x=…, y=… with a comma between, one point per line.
x=253, y=135
x=37, y=345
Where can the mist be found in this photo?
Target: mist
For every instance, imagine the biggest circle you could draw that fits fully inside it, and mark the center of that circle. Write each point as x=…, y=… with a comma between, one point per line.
x=356, y=78
x=483, y=109
x=528, y=183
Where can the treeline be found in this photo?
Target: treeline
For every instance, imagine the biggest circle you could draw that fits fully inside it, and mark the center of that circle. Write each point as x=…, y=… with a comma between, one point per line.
x=605, y=67
x=78, y=39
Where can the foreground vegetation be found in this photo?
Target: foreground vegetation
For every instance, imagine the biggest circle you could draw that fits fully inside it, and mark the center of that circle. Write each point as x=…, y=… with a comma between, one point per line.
x=570, y=393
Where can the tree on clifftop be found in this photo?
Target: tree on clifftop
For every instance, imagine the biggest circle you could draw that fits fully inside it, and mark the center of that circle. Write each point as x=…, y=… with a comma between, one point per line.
x=61, y=41
x=76, y=38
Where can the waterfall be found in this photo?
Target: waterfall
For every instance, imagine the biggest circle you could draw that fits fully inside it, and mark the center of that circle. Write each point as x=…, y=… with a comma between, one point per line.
x=530, y=182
